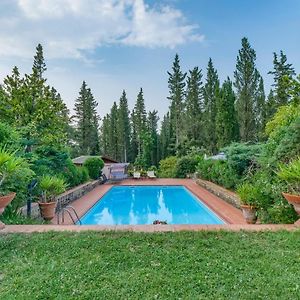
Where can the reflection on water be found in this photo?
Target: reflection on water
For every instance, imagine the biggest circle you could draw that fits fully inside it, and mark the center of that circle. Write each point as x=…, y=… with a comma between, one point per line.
x=143, y=205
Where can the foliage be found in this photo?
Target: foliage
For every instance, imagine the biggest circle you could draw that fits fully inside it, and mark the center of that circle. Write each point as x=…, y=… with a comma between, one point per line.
x=9, y=164
x=150, y=265
x=194, y=105
x=211, y=96
x=51, y=186
x=241, y=156
x=167, y=167
x=94, y=166
x=87, y=122
x=246, y=82
x=186, y=165
x=226, y=120
x=291, y=174
x=248, y=194
x=176, y=84
x=218, y=172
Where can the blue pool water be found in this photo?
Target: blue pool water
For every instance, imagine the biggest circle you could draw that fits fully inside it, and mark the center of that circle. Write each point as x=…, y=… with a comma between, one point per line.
x=131, y=205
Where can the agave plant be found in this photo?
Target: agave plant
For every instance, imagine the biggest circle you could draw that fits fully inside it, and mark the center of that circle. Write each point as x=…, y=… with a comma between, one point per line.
x=291, y=174
x=51, y=186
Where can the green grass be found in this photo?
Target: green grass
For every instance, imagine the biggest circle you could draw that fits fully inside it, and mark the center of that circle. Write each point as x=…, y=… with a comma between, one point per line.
x=120, y=265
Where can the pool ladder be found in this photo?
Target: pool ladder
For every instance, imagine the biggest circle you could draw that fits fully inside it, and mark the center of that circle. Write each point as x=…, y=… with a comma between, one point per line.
x=69, y=209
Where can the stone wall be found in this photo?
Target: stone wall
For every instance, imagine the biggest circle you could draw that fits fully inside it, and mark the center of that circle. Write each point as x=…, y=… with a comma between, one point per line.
x=221, y=192
x=63, y=199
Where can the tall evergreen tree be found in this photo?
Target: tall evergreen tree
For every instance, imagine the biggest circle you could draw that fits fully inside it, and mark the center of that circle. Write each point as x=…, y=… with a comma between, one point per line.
x=152, y=129
x=105, y=135
x=114, y=149
x=139, y=120
x=246, y=83
x=34, y=107
x=87, y=122
x=226, y=118
x=283, y=74
x=124, y=129
x=165, y=137
x=211, y=94
x=194, y=104
x=261, y=117
x=176, y=84
x=270, y=105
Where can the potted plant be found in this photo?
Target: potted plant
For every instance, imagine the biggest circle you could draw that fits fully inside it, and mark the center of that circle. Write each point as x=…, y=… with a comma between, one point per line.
x=50, y=186
x=291, y=174
x=248, y=194
x=9, y=164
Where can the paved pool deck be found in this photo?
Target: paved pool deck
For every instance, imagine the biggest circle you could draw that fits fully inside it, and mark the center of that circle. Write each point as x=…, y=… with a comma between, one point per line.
x=230, y=214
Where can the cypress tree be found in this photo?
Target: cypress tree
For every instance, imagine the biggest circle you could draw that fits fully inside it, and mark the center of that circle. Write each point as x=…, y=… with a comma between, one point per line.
x=211, y=94
x=140, y=120
x=283, y=74
x=124, y=129
x=105, y=138
x=114, y=149
x=87, y=122
x=152, y=129
x=246, y=83
x=261, y=117
x=165, y=137
x=226, y=118
x=176, y=85
x=194, y=99
x=270, y=106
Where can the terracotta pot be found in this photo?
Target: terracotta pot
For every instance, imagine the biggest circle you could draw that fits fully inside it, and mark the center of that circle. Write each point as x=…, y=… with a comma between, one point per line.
x=294, y=200
x=249, y=213
x=47, y=210
x=5, y=200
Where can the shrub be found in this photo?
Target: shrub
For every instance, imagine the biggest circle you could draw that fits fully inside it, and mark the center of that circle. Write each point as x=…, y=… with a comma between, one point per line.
x=248, y=194
x=240, y=156
x=186, y=165
x=291, y=174
x=94, y=166
x=218, y=172
x=167, y=167
x=84, y=174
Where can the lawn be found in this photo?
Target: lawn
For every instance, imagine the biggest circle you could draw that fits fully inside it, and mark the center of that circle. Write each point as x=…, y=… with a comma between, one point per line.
x=123, y=265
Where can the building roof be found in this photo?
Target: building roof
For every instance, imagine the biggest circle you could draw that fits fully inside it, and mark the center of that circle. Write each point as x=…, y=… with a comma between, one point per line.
x=81, y=159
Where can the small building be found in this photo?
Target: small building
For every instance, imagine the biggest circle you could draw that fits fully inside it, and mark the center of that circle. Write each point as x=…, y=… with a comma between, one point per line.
x=112, y=169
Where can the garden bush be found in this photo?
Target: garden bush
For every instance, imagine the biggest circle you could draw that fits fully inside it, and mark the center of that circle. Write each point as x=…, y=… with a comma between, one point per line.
x=186, y=165
x=94, y=166
x=218, y=172
x=167, y=167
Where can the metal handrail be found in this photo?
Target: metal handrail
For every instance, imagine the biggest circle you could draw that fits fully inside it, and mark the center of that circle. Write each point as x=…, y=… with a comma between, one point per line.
x=67, y=209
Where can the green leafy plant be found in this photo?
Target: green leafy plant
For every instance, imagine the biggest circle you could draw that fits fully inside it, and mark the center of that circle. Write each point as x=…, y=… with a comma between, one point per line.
x=167, y=167
x=291, y=174
x=94, y=166
x=9, y=164
x=186, y=165
x=248, y=194
x=51, y=186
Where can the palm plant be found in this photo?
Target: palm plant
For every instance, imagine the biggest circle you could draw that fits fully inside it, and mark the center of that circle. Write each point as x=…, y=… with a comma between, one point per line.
x=9, y=164
x=51, y=186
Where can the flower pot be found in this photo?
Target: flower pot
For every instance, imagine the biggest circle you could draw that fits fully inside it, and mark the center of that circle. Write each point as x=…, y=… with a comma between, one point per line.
x=294, y=200
x=249, y=213
x=5, y=200
x=47, y=210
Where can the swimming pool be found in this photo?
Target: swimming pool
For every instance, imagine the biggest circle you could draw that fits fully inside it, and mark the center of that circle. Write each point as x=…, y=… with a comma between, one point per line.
x=132, y=205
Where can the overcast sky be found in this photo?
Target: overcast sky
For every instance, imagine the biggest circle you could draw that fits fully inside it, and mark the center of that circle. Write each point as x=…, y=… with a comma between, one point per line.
x=128, y=44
